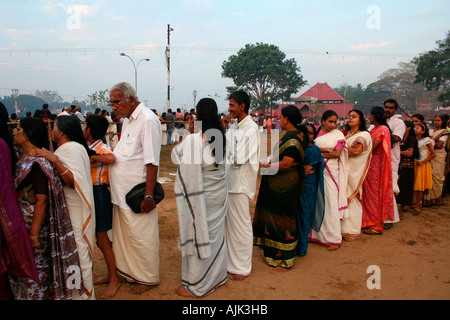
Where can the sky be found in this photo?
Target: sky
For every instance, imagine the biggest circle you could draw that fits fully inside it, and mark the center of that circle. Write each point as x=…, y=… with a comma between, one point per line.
x=73, y=47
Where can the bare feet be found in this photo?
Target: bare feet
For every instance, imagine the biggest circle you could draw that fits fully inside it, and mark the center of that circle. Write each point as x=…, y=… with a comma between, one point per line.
x=238, y=277
x=181, y=291
x=112, y=289
x=333, y=248
x=140, y=288
x=350, y=237
x=102, y=280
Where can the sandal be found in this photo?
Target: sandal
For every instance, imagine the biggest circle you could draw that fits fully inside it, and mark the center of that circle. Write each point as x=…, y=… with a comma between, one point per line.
x=416, y=212
x=371, y=231
x=387, y=226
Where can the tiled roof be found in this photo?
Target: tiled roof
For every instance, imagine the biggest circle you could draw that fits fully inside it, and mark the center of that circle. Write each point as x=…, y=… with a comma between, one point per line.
x=322, y=92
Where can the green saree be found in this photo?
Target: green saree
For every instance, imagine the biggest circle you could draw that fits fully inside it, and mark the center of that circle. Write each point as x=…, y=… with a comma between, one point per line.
x=274, y=223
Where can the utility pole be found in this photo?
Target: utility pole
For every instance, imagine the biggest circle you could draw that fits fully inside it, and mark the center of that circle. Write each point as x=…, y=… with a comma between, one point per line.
x=169, y=29
x=194, y=93
x=16, y=94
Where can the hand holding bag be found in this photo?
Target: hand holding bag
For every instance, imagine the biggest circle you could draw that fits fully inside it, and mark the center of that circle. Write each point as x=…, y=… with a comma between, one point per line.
x=135, y=196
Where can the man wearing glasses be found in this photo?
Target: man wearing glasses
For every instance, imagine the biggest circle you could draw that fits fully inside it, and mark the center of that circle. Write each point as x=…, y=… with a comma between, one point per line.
x=135, y=236
x=398, y=129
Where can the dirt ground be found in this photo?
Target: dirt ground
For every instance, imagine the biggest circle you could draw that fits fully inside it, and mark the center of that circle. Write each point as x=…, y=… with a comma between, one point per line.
x=413, y=262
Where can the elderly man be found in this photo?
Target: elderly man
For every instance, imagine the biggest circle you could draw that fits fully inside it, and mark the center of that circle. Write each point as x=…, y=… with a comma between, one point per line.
x=242, y=174
x=135, y=236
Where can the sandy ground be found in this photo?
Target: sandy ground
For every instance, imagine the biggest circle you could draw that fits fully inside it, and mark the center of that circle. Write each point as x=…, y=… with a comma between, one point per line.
x=412, y=258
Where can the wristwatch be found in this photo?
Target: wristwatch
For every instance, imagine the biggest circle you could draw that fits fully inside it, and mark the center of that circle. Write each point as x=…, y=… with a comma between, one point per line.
x=148, y=197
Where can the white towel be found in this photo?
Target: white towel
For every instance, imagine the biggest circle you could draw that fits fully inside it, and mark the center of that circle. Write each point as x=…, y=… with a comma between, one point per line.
x=189, y=192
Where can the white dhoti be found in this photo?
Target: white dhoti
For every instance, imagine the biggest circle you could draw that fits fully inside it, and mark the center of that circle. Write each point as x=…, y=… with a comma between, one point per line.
x=396, y=191
x=136, y=245
x=202, y=276
x=239, y=234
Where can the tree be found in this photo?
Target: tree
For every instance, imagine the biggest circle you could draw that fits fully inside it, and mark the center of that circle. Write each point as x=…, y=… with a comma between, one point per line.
x=25, y=103
x=264, y=72
x=99, y=99
x=399, y=83
x=49, y=96
x=433, y=69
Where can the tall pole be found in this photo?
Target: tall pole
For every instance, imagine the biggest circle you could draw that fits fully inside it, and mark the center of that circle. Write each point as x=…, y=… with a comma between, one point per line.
x=169, y=29
x=194, y=93
x=135, y=68
x=16, y=94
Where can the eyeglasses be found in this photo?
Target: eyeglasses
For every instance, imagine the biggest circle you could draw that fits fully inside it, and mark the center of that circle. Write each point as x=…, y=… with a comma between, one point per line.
x=117, y=102
x=354, y=116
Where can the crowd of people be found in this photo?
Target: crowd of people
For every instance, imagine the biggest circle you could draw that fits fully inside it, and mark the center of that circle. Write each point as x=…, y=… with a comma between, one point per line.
x=56, y=205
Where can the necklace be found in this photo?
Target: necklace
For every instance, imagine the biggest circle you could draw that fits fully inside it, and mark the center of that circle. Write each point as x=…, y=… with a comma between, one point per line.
x=352, y=133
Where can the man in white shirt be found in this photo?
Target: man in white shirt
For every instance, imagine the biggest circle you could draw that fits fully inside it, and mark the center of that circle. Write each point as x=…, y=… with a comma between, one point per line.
x=135, y=236
x=242, y=174
x=398, y=129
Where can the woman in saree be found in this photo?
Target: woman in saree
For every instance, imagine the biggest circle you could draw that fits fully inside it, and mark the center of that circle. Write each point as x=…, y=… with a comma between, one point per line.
x=47, y=220
x=311, y=208
x=378, y=194
x=16, y=255
x=72, y=162
x=334, y=150
x=439, y=162
x=408, y=154
x=274, y=223
x=202, y=197
x=359, y=144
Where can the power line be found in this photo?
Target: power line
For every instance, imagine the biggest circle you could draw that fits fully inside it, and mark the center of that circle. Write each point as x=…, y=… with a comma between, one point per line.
x=204, y=49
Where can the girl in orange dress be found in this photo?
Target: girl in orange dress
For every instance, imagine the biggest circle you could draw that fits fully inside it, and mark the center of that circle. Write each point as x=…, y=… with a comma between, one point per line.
x=422, y=168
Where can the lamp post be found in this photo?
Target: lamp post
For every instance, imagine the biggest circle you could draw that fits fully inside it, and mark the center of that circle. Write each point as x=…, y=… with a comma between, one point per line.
x=135, y=68
x=16, y=94
x=194, y=93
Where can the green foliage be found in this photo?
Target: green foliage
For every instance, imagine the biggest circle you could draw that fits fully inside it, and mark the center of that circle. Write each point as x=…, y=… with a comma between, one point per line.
x=433, y=69
x=25, y=103
x=264, y=72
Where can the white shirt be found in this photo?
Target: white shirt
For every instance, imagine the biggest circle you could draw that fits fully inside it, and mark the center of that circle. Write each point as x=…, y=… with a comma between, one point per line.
x=398, y=129
x=139, y=145
x=423, y=147
x=243, y=157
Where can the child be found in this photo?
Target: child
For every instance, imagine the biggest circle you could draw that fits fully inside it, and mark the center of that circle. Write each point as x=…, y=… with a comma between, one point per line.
x=94, y=130
x=422, y=168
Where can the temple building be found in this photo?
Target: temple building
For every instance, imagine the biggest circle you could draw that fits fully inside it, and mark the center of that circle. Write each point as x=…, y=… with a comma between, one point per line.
x=319, y=98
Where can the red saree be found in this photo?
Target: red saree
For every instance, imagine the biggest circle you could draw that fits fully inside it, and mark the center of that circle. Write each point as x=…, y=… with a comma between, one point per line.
x=378, y=194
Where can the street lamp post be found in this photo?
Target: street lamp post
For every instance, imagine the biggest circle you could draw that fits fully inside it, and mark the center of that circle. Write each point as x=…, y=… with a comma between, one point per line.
x=194, y=93
x=16, y=94
x=135, y=68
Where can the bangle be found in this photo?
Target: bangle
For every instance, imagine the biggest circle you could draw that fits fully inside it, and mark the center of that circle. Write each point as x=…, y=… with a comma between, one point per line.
x=33, y=237
x=64, y=172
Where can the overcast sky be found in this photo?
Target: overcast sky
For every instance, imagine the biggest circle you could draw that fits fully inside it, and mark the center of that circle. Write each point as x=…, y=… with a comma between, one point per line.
x=73, y=46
